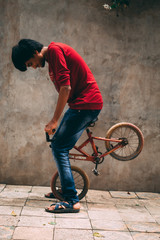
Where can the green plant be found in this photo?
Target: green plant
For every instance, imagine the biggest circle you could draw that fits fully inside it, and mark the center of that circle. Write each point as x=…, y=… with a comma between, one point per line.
x=117, y=4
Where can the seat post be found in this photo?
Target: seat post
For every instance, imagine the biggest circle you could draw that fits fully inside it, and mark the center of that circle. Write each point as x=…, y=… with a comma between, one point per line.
x=88, y=131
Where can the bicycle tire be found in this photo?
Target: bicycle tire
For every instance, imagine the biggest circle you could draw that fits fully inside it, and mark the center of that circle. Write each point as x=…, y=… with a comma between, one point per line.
x=81, y=183
x=134, y=137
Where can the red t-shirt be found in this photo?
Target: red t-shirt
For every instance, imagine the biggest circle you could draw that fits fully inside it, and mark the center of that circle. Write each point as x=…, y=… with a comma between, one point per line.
x=66, y=67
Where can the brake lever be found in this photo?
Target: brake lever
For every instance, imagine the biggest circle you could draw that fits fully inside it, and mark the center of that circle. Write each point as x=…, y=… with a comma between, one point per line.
x=48, y=139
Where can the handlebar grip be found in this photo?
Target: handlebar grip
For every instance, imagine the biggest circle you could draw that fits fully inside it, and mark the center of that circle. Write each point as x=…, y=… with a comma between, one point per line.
x=48, y=139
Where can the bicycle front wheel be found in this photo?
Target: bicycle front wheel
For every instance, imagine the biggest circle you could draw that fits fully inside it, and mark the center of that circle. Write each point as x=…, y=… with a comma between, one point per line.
x=81, y=183
x=131, y=134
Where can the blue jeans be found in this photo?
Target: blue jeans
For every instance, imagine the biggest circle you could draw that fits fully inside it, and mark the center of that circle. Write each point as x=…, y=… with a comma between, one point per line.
x=69, y=131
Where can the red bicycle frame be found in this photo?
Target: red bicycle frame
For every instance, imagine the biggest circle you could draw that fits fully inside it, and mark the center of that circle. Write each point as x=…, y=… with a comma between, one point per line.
x=84, y=156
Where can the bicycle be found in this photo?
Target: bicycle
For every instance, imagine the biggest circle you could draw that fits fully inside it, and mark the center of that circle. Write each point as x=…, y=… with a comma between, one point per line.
x=124, y=141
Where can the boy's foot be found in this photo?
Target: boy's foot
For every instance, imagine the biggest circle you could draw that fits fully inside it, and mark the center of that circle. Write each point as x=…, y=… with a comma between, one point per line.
x=49, y=195
x=64, y=207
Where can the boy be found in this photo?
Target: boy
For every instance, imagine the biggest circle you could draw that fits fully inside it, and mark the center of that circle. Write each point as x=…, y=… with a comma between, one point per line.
x=76, y=86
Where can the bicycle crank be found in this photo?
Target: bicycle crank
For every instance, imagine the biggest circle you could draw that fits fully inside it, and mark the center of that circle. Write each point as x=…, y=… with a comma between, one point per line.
x=95, y=171
x=97, y=159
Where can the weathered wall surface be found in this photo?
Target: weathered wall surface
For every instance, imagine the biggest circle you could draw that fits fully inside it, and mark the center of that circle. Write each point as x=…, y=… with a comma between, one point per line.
x=124, y=55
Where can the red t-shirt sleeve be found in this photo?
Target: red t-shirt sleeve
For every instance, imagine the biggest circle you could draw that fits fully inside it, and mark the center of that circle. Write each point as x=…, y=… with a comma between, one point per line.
x=59, y=65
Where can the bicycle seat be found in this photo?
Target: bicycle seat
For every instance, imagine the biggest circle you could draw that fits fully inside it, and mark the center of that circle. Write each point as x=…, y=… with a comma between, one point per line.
x=92, y=123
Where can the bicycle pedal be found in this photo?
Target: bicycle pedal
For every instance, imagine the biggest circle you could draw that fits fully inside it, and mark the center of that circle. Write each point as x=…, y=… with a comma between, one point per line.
x=95, y=172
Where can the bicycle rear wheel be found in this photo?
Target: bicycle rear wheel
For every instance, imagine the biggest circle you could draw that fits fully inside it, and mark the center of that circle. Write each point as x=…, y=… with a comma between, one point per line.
x=81, y=183
x=133, y=136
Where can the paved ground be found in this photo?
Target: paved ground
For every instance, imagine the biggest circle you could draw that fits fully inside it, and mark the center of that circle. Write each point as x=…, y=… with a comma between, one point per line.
x=104, y=215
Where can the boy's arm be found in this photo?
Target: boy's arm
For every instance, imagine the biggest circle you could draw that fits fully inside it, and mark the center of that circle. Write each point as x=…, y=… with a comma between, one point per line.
x=62, y=100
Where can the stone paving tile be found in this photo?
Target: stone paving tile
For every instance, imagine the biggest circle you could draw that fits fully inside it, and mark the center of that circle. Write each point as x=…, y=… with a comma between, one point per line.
x=12, y=202
x=2, y=186
x=8, y=220
x=143, y=227
x=70, y=223
x=39, y=203
x=148, y=195
x=13, y=194
x=36, y=196
x=74, y=234
x=136, y=213
x=35, y=211
x=110, y=215
x=112, y=235
x=82, y=214
x=6, y=232
x=127, y=202
x=157, y=217
x=153, y=209
x=105, y=214
x=96, y=196
x=148, y=202
x=108, y=225
x=30, y=221
x=17, y=188
x=41, y=189
x=29, y=233
x=84, y=205
x=100, y=206
x=145, y=236
x=122, y=194
x=10, y=210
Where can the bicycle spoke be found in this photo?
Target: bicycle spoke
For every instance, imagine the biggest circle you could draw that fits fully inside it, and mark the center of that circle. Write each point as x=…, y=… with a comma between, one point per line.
x=132, y=141
x=118, y=151
x=81, y=183
x=132, y=138
x=77, y=178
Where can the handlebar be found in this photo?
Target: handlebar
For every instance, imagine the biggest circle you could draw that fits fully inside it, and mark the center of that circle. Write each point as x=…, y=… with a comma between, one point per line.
x=48, y=139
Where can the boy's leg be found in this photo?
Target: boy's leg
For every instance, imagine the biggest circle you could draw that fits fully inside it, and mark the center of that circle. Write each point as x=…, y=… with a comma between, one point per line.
x=71, y=127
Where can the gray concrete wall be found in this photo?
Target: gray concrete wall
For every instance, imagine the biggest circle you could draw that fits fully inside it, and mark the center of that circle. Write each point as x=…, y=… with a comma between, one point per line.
x=123, y=53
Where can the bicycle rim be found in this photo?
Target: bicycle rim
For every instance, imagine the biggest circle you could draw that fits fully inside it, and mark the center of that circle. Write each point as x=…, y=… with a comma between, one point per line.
x=81, y=183
x=134, y=137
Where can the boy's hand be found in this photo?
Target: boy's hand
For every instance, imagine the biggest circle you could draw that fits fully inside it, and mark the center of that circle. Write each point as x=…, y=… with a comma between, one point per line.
x=50, y=127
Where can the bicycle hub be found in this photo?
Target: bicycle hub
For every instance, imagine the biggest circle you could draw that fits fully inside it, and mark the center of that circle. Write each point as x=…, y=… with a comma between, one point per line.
x=124, y=141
